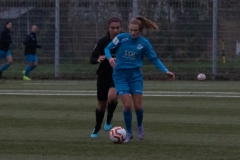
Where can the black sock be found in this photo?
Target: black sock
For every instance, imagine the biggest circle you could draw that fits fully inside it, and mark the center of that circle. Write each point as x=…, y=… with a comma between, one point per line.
x=111, y=109
x=99, y=119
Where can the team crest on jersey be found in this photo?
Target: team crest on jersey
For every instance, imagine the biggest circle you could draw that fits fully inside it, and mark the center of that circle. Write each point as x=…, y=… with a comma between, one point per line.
x=139, y=46
x=124, y=39
x=115, y=40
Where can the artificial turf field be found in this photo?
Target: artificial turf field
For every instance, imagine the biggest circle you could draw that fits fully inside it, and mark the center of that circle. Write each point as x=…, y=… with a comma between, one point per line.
x=183, y=120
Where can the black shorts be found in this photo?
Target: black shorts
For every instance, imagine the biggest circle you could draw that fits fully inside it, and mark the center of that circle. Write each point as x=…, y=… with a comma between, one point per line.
x=104, y=83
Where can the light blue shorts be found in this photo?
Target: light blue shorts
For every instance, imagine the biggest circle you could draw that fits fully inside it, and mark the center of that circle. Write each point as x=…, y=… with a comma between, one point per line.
x=31, y=58
x=4, y=54
x=128, y=81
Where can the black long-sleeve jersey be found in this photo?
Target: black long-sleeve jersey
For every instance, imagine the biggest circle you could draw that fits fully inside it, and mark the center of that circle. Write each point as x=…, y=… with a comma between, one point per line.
x=31, y=44
x=5, y=39
x=104, y=68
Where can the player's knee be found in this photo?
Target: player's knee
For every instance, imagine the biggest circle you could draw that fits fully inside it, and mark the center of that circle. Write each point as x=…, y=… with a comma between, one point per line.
x=138, y=107
x=112, y=99
x=10, y=62
x=127, y=108
x=101, y=108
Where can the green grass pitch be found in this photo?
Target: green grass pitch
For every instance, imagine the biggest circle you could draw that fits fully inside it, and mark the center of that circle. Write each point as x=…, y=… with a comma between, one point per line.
x=183, y=120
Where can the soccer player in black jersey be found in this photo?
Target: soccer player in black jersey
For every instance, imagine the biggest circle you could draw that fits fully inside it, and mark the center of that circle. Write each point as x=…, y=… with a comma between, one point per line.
x=106, y=92
x=5, y=41
x=31, y=46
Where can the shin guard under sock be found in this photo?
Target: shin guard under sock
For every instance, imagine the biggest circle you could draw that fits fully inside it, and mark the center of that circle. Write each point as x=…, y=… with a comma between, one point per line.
x=111, y=109
x=99, y=119
x=128, y=120
x=139, y=116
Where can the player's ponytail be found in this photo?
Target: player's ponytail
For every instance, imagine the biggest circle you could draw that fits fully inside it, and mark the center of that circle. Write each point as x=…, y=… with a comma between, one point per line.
x=144, y=23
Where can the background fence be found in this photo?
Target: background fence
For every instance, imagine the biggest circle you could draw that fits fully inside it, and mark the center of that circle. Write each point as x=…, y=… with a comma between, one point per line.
x=184, y=42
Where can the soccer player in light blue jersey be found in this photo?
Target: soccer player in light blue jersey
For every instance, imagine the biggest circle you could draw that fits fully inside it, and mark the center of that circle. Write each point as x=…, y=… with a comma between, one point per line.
x=130, y=51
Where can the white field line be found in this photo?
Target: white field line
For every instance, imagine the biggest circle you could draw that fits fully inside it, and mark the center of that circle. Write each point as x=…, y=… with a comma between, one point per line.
x=93, y=93
x=88, y=91
x=60, y=83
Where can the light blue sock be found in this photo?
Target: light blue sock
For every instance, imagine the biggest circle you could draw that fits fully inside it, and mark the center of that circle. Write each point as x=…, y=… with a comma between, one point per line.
x=139, y=115
x=5, y=66
x=128, y=120
x=27, y=70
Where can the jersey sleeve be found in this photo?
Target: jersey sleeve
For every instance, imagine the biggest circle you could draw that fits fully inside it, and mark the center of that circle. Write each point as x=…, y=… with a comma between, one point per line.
x=96, y=52
x=159, y=65
x=113, y=44
x=152, y=56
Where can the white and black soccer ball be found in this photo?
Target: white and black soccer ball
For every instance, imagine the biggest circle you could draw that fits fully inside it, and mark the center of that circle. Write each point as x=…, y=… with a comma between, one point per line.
x=117, y=134
x=201, y=77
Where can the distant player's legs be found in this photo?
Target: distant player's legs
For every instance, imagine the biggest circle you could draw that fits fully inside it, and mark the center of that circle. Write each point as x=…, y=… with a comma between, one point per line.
x=32, y=61
x=8, y=56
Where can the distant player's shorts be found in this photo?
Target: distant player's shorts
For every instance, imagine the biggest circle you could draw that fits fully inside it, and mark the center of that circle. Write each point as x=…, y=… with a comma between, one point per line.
x=104, y=83
x=31, y=58
x=128, y=81
x=4, y=54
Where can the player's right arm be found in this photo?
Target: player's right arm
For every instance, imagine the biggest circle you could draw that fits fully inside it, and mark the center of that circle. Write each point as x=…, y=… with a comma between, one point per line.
x=98, y=49
x=113, y=44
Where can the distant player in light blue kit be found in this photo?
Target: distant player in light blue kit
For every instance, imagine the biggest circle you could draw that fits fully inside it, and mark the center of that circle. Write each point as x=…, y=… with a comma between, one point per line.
x=131, y=49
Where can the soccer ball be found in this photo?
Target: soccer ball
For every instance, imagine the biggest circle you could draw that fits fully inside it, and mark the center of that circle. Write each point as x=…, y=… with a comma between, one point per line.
x=117, y=134
x=201, y=77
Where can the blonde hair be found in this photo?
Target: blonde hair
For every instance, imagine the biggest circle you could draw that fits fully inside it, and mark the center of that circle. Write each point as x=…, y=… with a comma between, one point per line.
x=144, y=23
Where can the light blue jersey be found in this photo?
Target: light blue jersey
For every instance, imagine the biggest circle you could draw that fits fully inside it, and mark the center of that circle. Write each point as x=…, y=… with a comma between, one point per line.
x=130, y=52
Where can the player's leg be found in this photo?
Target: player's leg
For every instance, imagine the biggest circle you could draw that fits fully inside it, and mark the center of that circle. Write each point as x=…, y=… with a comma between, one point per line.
x=127, y=114
x=136, y=88
x=102, y=92
x=99, y=114
x=2, y=55
x=8, y=56
x=35, y=62
x=120, y=78
x=29, y=60
x=137, y=100
x=112, y=104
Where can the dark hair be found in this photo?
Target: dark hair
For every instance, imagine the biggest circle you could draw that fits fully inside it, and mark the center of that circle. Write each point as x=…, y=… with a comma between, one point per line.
x=7, y=23
x=113, y=20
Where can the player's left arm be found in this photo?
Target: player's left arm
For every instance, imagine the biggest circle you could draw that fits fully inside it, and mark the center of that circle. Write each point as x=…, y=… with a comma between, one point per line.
x=96, y=54
x=5, y=38
x=152, y=56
